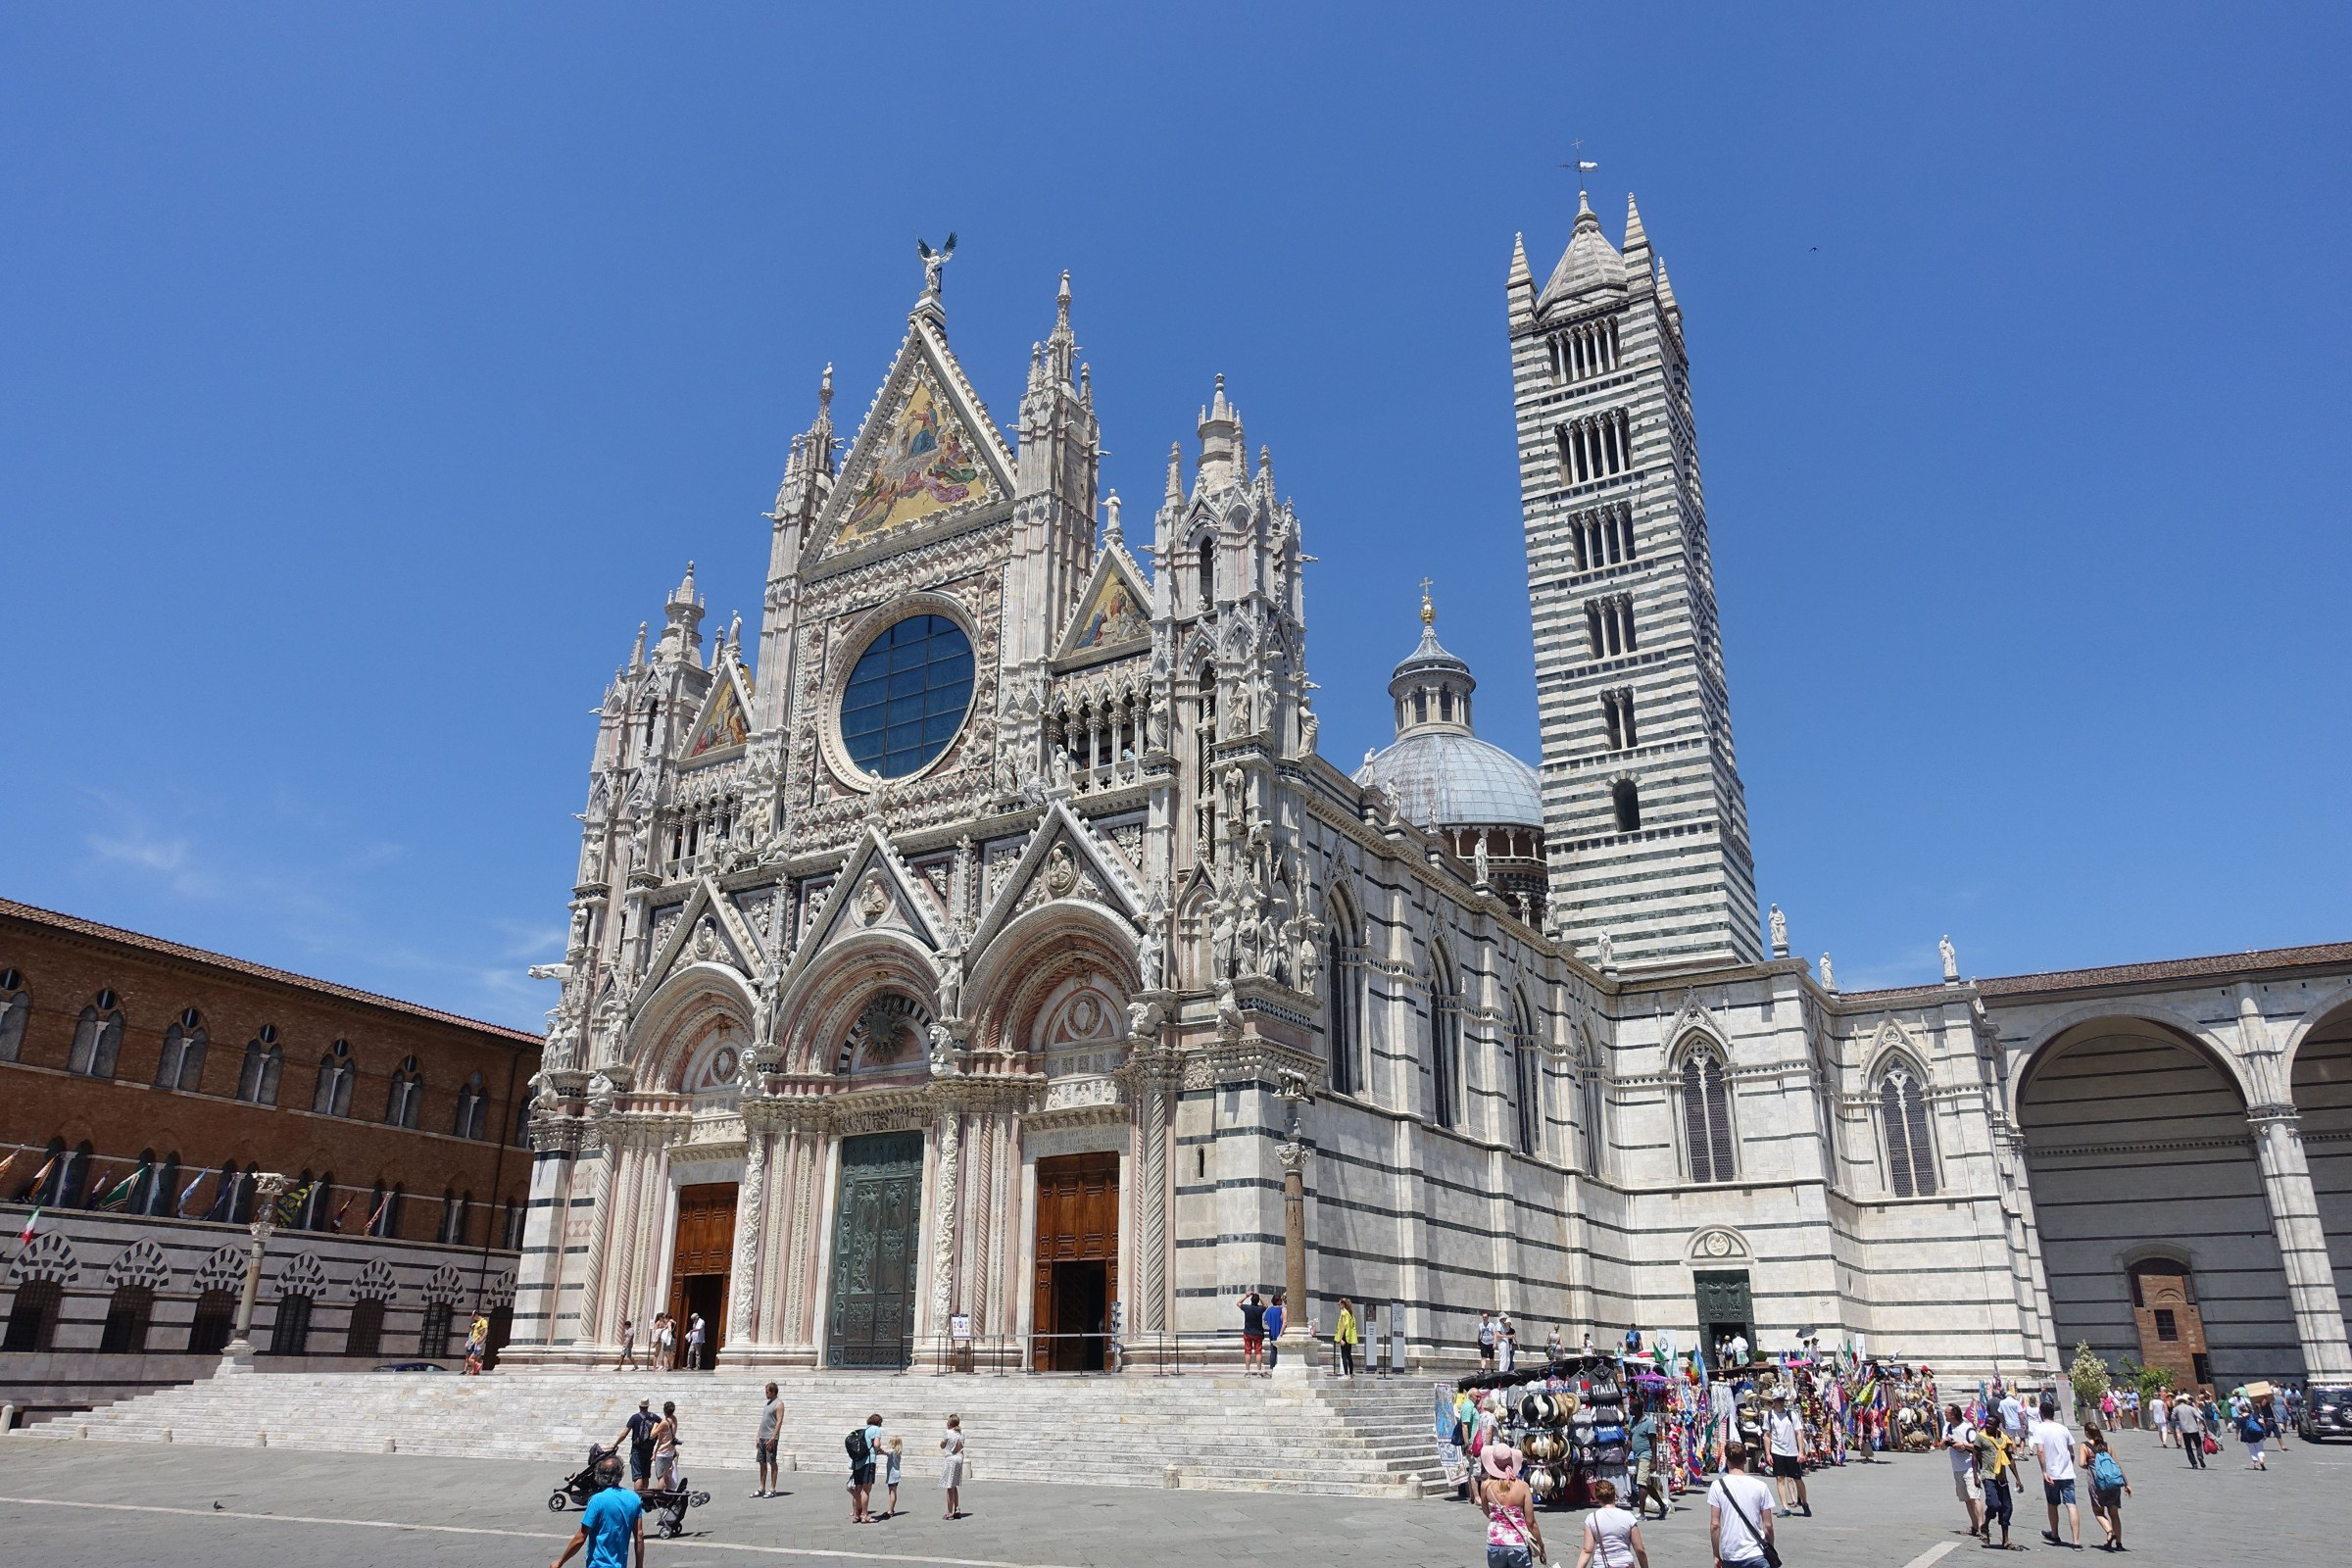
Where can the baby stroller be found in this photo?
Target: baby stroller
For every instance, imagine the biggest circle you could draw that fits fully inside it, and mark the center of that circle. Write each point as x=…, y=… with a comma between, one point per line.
x=668, y=1507
x=586, y=1484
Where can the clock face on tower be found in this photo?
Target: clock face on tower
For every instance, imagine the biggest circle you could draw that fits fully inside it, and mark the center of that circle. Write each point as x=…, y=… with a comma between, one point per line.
x=907, y=696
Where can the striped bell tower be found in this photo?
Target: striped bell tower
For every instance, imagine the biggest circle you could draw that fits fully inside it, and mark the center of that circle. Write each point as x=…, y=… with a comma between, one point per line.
x=1644, y=821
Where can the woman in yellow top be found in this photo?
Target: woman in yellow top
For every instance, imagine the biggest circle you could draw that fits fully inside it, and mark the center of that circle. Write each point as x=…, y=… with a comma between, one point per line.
x=1347, y=1336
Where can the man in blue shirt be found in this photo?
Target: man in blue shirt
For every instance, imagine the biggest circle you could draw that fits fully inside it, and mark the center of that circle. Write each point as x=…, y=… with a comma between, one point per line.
x=1276, y=1315
x=614, y=1518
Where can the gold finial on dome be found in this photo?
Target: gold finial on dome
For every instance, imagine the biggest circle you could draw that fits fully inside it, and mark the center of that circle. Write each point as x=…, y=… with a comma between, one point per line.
x=1429, y=614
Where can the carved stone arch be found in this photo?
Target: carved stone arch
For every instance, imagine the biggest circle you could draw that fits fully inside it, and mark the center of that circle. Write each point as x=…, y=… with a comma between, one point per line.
x=891, y=1034
x=2197, y=1036
x=679, y=1018
x=1693, y=1021
x=1034, y=954
x=2319, y=1014
x=223, y=1269
x=302, y=1275
x=375, y=1281
x=47, y=1257
x=142, y=1262
x=1713, y=1245
x=822, y=1009
x=447, y=1287
x=501, y=1291
x=1892, y=1044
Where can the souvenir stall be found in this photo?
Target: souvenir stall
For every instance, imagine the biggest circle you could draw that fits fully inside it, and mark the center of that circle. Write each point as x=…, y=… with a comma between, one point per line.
x=1571, y=1420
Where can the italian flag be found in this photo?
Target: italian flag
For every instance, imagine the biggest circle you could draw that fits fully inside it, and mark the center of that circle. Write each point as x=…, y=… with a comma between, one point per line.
x=32, y=1224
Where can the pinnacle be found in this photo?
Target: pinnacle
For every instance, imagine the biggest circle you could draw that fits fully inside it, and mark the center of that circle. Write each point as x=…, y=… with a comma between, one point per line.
x=1635, y=236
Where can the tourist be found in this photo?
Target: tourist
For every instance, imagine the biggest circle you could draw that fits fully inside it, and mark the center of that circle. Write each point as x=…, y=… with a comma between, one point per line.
x=1486, y=1342
x=2252, y=1429
x=1997, y=1469
x=892, y=1455
x=1612, y=1536
x=951, y=1470
x=1507, y=1343
x=2013, y=1418
x=614, y=1518
x=666, y=1343
x=694, y=1343
x=2189, y=1422
x=1513, y=1538
x=1253, y=1333
x=628, y=1344
x=860, y=1446
x=477, y=1344
x=2107, y=1408
x=763, y=1448
x=1960, y=1438
x=2160, y=1415
x=638, y=1434
x=1739, y=1514
x=1554, y=1344
x=665, y=1449
x=1347, y=1336
x=1784, y=1435
x=1738, y=1347
x=2055, y=1452
x=2109, y=1487
x=1650, y=1480
x=1278, y=1317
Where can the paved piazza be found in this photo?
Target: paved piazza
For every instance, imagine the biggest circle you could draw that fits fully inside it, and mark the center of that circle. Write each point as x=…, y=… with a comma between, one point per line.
x=107, y=1504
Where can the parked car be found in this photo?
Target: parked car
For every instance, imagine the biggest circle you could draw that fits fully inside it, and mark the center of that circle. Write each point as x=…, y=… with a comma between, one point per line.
x=412, y=1366
x=2326, y=1412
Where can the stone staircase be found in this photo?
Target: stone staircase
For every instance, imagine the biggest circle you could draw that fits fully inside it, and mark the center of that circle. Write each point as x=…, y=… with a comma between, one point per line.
x=1213, y=1431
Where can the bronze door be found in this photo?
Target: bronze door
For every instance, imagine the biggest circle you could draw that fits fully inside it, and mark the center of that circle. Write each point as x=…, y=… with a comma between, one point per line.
x=1077, y=1261
x=876, y=1241
x=699, y=1265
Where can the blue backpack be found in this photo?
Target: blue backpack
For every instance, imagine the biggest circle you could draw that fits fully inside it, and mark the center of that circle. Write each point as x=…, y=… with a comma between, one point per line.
x=2105, y=1473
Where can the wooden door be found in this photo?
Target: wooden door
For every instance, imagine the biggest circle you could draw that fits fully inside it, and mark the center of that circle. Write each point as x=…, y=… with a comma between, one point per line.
x=705, y=1247
x=1077, y=1225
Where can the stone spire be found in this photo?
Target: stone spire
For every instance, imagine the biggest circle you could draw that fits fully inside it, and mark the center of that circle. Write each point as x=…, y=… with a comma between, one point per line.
x=1222, y=450
x=683, y=636
x=1636, y=240
x=1519, y=287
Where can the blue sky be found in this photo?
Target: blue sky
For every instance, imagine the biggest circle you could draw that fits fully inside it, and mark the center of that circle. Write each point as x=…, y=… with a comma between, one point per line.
x=369, y=372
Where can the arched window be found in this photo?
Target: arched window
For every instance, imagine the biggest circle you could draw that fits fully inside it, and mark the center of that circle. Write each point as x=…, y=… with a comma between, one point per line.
x=16, y=1006
x=97, y=1037
x=387, y=1213
x=265, y=1061
x=1595, y=1095
x=522, y=1125
x=128, y=1313
x=181, y=1066
x=1209, y=571
x=163, y=1192
x=367, y=1337
x=452, y=1217
x=1340, y=1011
x=33, y=1316
x=432, y=1336
x=290, y=1330
x=75, y=1185
x=215, y=1321
x=333, y=1096
x=225, y=1193
x=1445, y=1047
x=41, y=1182
x=1909, y=1131
x=1527, y=1059
x=473, y=1109
x=407, y=1094
x=241, y=1211
x=1707, y=1117
x=319, y=1210
x=1626, y=796
x=511, y=1229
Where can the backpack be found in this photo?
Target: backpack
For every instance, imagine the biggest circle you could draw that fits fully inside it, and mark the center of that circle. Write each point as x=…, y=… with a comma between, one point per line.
x=860, y=1451
x=2105, y=1473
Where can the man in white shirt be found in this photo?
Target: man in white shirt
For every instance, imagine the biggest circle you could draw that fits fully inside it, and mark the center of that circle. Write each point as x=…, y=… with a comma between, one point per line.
x=1739, y=1514
x=2054, y=1452
x=1784, y=1435
x=2013, y=1418
x=1960, y=1437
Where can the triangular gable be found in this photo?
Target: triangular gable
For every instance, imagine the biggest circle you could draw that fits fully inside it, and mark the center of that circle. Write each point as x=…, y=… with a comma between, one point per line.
x=725, y=722
x=926, y=454
x=731, y=941
x=1061, y=827
x=1115, y=611
x=877, y=889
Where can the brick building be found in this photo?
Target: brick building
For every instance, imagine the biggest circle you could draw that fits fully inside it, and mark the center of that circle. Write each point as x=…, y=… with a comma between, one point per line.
x=145, y=1085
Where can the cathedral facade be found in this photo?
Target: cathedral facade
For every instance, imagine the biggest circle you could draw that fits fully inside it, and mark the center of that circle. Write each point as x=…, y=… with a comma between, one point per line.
x=990, y=963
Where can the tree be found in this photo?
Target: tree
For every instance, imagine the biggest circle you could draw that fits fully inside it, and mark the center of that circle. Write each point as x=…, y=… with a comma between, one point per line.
x=2088, y=1374
x=2148, y=1379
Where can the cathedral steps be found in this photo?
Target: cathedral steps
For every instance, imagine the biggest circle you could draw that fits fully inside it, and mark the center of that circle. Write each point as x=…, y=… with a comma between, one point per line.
x=1214, y=1431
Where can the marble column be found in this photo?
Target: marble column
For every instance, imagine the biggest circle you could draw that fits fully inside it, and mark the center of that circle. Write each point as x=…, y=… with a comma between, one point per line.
x=237, y=1354
x=539, y=1280
x=600, y=1223
x=2302, y=1242
x=744, y=1328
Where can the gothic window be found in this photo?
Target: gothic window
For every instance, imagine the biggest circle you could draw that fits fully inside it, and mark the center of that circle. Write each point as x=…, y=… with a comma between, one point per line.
x=1205, y=740
x=74, y=1185
x=1446, y=1048
x=163, y=1192
x=1421, y=706
x=1908, y=1127
x=1207, y=570
x=128, y=1311
x=1446, y=704
x=1705, y=1094
x=522, y=1125
x=1595, y=1100
x=16, y=1006
x=1528, y=1062
x=432, y=1339
x=290, y=1332
x=1593, y=631
x=407, y=1096
x=1339, y=976
x=97, y=1037
x=366, y=1339
x=181, y=1066
x=1626, y=796
x=241, y=1195
x=473, y=1109
x=1617, y=713
x=337, y=1072
x=1625, y=611
x=512, y=1230
x=32, y=1316
x=317, y=1205
x=453, y=1219
x=650, y=710
x=265, y=1061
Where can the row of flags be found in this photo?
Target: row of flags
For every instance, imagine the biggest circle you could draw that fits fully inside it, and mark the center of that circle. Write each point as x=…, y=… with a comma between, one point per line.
x=291, y=1204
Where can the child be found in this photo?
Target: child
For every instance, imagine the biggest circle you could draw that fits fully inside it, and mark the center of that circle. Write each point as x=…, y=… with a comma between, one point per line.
x=890, y=1475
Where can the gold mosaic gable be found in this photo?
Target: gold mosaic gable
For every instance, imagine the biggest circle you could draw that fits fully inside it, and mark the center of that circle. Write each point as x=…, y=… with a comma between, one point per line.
x=927, y=465
x=723, y=724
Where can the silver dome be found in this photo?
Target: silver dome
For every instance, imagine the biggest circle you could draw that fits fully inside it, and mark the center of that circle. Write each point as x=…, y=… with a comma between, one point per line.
x=1446, y=777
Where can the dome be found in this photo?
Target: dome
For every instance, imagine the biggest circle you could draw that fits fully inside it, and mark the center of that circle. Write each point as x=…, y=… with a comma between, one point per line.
x=1439, y=772
x=1449, y=777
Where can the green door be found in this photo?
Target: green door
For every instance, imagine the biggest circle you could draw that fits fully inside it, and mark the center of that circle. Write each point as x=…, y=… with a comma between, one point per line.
x=876, y=1240
x=1724, y=1306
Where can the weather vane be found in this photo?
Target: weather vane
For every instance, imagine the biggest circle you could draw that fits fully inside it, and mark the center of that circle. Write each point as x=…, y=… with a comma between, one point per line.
x=1580, y=165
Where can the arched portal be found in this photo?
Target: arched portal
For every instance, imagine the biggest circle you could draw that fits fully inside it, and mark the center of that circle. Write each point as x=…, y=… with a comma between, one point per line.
x=2138, y=1144
x=2323, y=1093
